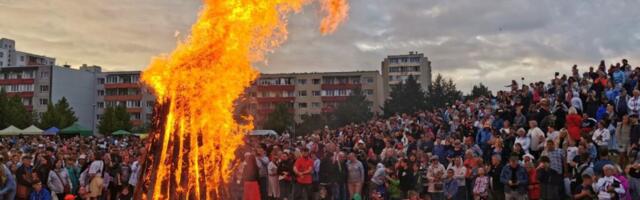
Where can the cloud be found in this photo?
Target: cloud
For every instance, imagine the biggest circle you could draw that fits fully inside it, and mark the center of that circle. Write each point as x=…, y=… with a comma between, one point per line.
x=470, y=41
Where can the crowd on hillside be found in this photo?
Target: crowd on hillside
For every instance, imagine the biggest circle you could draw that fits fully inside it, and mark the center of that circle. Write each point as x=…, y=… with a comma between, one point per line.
x=50, y=167
x=573, y=137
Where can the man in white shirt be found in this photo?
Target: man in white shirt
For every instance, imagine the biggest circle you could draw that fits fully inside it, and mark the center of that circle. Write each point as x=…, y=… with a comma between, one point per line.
x=601, y=136
x=537, y=138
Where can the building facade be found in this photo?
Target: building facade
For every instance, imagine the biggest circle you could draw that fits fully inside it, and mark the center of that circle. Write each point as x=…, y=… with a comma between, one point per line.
x=311, y=93
x=397, y=68
x=40, y=85
x=124, y=88
x=10, y=57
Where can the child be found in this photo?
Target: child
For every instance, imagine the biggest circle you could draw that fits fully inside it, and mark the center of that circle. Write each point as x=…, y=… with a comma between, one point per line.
x=481, y=186
x=450, y=185
x=39, y=193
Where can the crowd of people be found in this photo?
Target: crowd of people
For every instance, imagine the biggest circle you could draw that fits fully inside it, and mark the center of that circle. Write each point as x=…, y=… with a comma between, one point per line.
x=573, y=137
x=51, y=167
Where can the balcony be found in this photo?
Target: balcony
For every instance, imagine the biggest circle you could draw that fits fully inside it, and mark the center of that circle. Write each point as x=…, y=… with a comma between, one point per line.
x=341, y=86
x=334, y=98
x=121, y=85
x=136, y=122
x=16, y=81
x=135, y=97
x=275, y=99
x=20, y=94
x=276, y=87
x=134, y=110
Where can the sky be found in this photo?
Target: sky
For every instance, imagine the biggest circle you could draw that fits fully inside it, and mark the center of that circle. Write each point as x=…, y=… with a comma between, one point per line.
x=469, y=41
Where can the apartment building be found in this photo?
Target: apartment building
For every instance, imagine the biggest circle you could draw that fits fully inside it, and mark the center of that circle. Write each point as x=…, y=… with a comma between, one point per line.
x=312, y=93
x=10, y=57
x=397, y=68
x=124, y=88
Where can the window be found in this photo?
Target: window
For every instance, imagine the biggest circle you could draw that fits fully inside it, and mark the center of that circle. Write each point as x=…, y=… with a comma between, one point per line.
x=302, y=81
x=44, y=101
x=44, y=74
x=0, y=63
x=44, y=88
x=98, y=116
x=329, y=93
x=1, y=54
x=100, y=80
x=100, y=92
x=22, y=58
x=316, y=81
x=150, y=104
x=368, y=92
x=100, y=104
x=134, y=116
x=315, y=104
x=315, y=93
x=369, y=79
x=302, y=93
x=302, y=105
x=133, y=104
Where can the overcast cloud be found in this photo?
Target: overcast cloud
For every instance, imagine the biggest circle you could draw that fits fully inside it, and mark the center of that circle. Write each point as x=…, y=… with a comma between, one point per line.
x=489, y=41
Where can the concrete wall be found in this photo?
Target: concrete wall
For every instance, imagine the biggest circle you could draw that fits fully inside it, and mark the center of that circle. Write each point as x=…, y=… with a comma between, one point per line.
x=79, y=88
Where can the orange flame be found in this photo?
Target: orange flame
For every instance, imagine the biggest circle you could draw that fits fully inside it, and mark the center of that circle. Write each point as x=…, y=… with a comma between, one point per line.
x=201, y=79
x=336, y=12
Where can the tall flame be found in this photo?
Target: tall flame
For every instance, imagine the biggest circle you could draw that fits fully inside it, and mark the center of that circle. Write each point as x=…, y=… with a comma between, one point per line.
x=197, y=85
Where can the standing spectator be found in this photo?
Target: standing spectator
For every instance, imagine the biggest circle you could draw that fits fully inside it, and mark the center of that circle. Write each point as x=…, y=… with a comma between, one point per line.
x=609, y=187
x=537, y=138
x=74, y=175
x=273, y=185
x=58, y=181
x=584, y=191
x=7, y=182
x=459, y=174
x=250, y=177
x=378, y=179
x=25, y=179
x=303, y=167
x=534, y=185
x=523, y=140
x=573, y=122
x=601, y=135
x=262, y=161
x=621, y=107
x=622, y=137
x=39, y=192
x=481, y=186
x=555, y=155
x=634, y=103
x=550, y=180
x=355, y=176
x=634, y=180
x=514, y=178
x=495, y=171
x=435, y=175
x=450, y=186
x=285, y=172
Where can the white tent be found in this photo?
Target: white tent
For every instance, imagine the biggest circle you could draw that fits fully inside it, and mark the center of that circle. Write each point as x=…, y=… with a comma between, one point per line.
x=263, y=133
x=31, y=130
x=11, y=130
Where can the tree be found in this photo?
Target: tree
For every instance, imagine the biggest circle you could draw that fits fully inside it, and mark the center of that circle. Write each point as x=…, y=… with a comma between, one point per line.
x=60, y=115
x=113, y=119
x=480, y=90
x=356, y=109
x=280, y=119
x=311, y=123
x=407, y=97
x=442, y=92
x=13, y=112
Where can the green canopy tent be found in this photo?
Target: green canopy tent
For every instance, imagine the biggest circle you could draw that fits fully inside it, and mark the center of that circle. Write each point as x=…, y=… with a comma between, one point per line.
x=31, y=130
x=9, y=131
x=76, y=129
x=121, y=133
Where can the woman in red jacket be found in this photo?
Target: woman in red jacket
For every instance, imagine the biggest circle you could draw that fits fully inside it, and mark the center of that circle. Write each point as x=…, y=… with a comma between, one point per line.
x=573, y=124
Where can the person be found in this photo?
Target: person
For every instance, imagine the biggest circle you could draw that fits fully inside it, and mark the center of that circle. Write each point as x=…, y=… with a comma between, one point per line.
x=25, y=178
x=634, y=180
x=609, y=187
x=74, y=175
x=303, y=168
x=7, y=182
x=378, y=179
x=250, y=177
x=555, y=155
x=355, y=175
x=550, y=180
x=285, y=170
x=495, y=171
x=584, y=191
x=96, y=173
x=435, y=174
x=634, y=103
x=534, y=185
x=573, y=122
x=450, y=185
x=58, y=181
x=601, y=135
x=262, y=161
x=39, y=193
x=460, y=172
x=523, y=140
x=272, y=170
x=481, y=186
x=515, y=180
x=537, y=137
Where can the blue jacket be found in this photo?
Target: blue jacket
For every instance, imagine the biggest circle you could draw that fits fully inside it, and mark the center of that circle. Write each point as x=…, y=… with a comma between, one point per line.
x=483, y=136
x=450, y=187
x=601, y=113
x=521, y=175
x=9, y=189
x=619, y=77
x=44, y=194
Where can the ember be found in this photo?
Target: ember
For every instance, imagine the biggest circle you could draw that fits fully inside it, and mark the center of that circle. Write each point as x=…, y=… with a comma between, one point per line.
x=195, y=136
